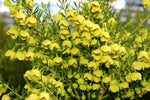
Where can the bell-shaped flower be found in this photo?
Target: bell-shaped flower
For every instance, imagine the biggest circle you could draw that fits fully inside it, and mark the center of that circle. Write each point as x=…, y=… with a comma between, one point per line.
x=79, y=19
x=29, y=3
x=143, y=55
x=87, y=25
x=75, y=52
x=96, y=86
x=24, y=35
x=106, y=49
x=88, y=76
x=31, y=21
x=98, y=73
x=104, y=36
x=45, y=44
x=63, y=24
x=106, y=79
x=123, y=85
x=20, y=55
x=66, y=44
x=107, y=60
x=64, y=34
x=95, y=30
x=20, y=18
x=114, y=48
x=57, y=61
x=92, y=65
x=13, y=31
x=114, y=88
x=95, y=6
x=70, y=14
x=97, y=54
x=77, y=41
x=33, y=97
x=58, y=17
x=44, y=96
x=11, y=54
x=86, y=35
x=137, y=65
x=72, y=62
x=75, y=35
x=80, y=81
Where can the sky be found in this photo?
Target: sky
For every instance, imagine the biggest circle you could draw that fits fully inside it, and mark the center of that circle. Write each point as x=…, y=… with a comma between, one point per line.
x=119, y=4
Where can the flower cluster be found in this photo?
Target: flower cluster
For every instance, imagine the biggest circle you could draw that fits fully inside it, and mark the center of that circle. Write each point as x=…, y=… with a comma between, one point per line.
x=79, y=53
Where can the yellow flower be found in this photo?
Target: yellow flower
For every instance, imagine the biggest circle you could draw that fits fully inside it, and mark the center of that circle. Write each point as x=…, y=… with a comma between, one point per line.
x=94, y=42
x=144, y=33
x=122, y=51
x=106, y=49
x=75, y=35
x=20, y=18
x=7, y=3
x=123, y=85
x=85, y=43
x=107, y=60
x=98, y=73
x=29, y=3
x=5, y=97
x=55, y=46
x=3, y=89
x=20, y=55
x=13, y=11
x=83, y=61
x=75, y=85
x=77, y=76
x=95, y=6
x=139, y=41
x=80, y=81
x=44, y=96
x=72, y=62
x=11, y=54
x=114, y=48
x=104, y=36
x=106, y=79
x=79, y=19
x=57, y=61
x=82, y=87
x=29, y=56
x=33, y=97
x=58, y=17
x=92, y=65
x=76, y=41
x=96, y=86
x=88, y=76
x=45, y=44
x=114, y=88
x=32, y=41
x=64, y=34
x=66, y=44
x=13, y=31
x=89, y=87
x=128, y=77
x=86, y=36
x=96, y=79
x=95, y=30
x=70, y=14
x=75, y=52
x=31, y=21
x=97, y=54
x=24, y=35
x=63, y=24
x=146, y=3
x=138, y=65
x=98, y=15
x=136, y=76
x=143, y=55
x=87, y=25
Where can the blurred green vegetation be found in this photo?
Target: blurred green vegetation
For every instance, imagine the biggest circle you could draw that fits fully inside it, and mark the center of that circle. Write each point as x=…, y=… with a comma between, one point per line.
x=11, y=71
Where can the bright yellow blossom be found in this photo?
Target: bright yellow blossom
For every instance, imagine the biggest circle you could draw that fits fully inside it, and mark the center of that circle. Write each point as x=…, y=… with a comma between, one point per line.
x=24, y=35
x=96, y=86
x=79, y=19
x=95, y=30
x=66, y=44
x=92, y=65
x=75, y=52
x=88, y=76
x=5, y=97
x=104, y=36
x=11, y=54
x=106, y=79
x=20, y=55
x=114, y=88
x=95, y=6
x=72, y=62
x=97, y=54
x=70, y=14
x=143, y=55
x=29, y=3
x=45, y=44
x=13, y=31
x=75, y=35
x=64, y=34
x=77, y=41
x=146, y=3
x=33, y=97
x=57, y=60
x=105, y=49
x=58, y=17
x=44, y=96
x=20, y=18
x=98, y=73
x=31, y=21
x=63, y=24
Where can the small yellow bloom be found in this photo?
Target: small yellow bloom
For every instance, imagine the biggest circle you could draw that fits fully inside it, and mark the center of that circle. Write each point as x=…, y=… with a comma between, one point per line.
x=45, y=44
x=57, y=61
x=114, y=88
x=95, y=6
x=85, y=43
x=33, y=97
x=83, y=61
x=98, y=15
x=87, y=25
x=107, y=60
x=143, y=55
x=97, y=54
x=29, y=3
x=20, y=55
x=66, y=44
x=29, y=56
x=96, y=79
x=63, y=24
x=55, y=46
x=138, y=65
x=32, y=41
x=5, y=97
x=82, y=87
x=7, y=3
x=76, y=41
x=20, y=18
x=24, y=35
x=92, y=65
x=75, y=52
x=72, y=62
x=75, y=35
x=114, y=48
x=105, y=49
x=98, y=73
x=89, y=87
x=11, y=54
x=88, y=76
x=95, y=30
x=31, y=21
x=94, y=42
x=86, y=36
x=146, y=3
x=58, y=17
x=79, y=19
x=123, y=85
x=64, y=34
x=13, y=31
x=122, y=51
x=139, y=41
x=96, y=86
x=44, y=96
x=104, y=36
x=128, y=77
x=136, y=76
x=75, y=85
x=106, y=79
x=111, y=21
x=70, y=14
x=66, y=51
x=3, y=89
x=13, y=11
x=80, y=81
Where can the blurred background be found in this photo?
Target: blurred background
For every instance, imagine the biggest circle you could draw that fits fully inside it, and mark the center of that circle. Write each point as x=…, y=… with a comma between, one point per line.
x=129, y=12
